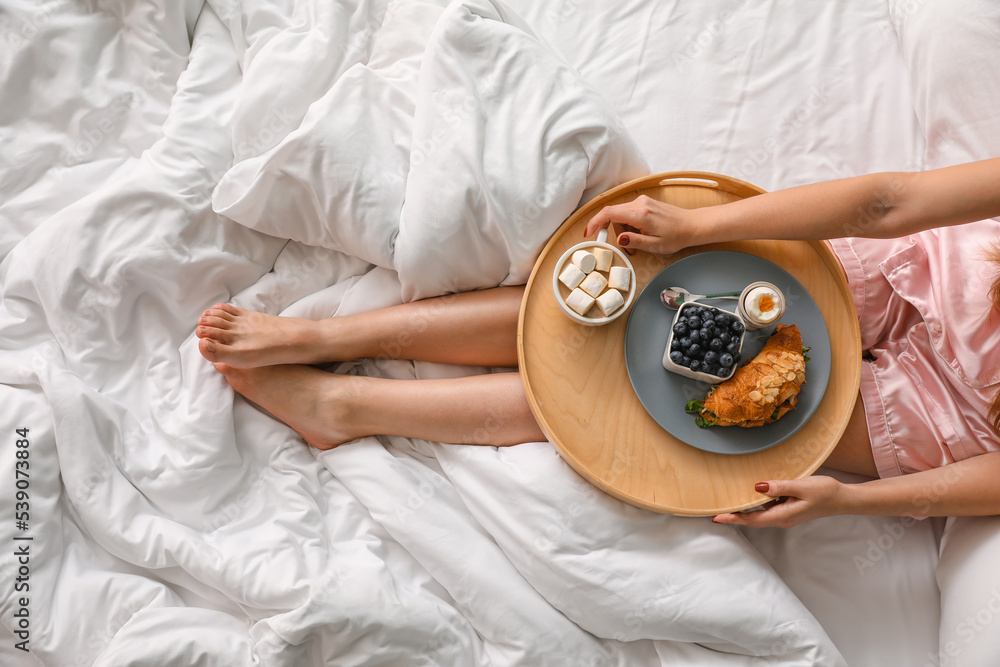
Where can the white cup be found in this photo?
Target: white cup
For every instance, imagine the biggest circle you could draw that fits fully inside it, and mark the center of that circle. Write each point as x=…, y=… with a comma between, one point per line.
x=561, y=291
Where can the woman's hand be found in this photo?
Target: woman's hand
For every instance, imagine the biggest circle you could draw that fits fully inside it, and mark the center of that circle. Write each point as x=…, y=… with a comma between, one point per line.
x=647, y=224
x=806, y=499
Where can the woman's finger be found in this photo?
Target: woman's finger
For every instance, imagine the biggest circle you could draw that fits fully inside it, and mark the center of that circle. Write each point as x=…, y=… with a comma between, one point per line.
x=633, y=241
x=624, y=214
x=784, y=487
x=779, y=516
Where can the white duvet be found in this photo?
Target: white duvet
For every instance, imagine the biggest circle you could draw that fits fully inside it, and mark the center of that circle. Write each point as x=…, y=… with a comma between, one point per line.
x=406, y=150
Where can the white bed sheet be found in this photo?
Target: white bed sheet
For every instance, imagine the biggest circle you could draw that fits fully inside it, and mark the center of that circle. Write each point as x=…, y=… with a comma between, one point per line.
x=161, y=533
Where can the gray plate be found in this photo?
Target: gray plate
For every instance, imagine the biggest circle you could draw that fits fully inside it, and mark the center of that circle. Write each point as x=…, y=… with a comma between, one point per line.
x=664, y=394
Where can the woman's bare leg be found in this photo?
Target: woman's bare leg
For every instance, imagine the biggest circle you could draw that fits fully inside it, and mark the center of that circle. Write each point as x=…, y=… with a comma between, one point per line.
x=327, y=409
x=475, y=328
x=854, y=451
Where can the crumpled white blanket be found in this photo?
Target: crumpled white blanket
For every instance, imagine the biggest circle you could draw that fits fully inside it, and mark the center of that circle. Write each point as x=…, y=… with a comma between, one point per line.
x=408, y=150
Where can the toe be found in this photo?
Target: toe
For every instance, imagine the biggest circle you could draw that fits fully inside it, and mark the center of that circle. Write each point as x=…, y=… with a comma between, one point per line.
x=220, y=336
x=227, y=308
x=209, y=349
x=212, y=320
x=219, y=315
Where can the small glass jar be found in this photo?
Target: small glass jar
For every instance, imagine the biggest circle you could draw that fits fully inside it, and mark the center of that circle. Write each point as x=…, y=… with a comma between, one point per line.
x=761, y=305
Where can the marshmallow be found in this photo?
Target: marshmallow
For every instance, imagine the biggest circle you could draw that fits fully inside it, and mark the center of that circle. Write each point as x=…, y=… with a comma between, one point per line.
x=604, y=257
x=594, y=283
x=610, y=301
x=584, y=260
x=579, y=301
x=620, y=278
x=571, y=276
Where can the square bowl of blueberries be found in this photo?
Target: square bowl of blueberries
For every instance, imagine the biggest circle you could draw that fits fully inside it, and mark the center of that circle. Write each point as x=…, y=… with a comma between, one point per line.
x=705, y=343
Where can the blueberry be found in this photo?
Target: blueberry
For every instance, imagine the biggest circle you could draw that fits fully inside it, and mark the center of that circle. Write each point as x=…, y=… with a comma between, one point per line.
x=676, y=356
x=732, y=348
x=695, y=336
x=706, y=334
x=716, y=344
x=737, y=327
x=695, y=365
x=711, y=357
x=681, y=328
x=694, y=350
x=675, y=344
x=685, y=343
x=694, y=322
x=725, y=359
x=686, y=361
x=713, y=370
x=707, y=323
x=737, y=357
x=725, y=338
x=721, y=320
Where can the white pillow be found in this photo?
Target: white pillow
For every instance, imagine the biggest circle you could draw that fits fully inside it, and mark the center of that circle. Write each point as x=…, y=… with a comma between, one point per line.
x=338, y=180
x=511, y=140
x=485, y=133
x=951, y=50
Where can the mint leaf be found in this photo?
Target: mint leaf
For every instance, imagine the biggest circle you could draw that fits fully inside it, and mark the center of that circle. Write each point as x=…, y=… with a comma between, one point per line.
x=693, y=406
x=701, y=422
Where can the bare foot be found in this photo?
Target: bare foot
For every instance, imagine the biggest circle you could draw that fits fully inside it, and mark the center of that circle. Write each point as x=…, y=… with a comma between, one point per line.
x=244, y=338
x=313, y=402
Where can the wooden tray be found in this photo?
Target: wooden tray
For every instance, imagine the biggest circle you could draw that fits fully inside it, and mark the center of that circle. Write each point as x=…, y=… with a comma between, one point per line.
x=579, y=391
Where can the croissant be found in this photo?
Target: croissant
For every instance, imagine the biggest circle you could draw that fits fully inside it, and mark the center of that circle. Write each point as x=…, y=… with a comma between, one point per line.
x=763, y=390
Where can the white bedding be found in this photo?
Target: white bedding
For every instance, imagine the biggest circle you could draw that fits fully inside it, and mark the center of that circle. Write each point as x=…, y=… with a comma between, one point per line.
x=408, y=149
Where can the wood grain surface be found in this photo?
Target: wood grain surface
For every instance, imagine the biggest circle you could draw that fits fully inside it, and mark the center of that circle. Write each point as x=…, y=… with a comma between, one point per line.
x=578, y=387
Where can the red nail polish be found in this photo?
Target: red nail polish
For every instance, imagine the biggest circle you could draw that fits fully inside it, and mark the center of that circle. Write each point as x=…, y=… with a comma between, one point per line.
x=623, y=240
x=760, y=487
